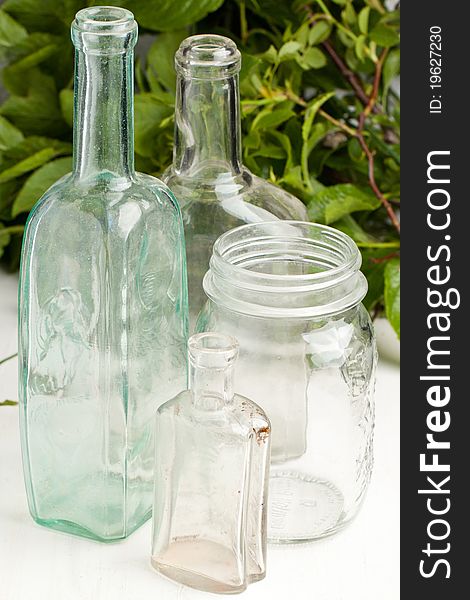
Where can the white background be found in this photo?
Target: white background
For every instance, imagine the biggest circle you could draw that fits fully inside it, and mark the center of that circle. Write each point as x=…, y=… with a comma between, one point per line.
x=360, y=563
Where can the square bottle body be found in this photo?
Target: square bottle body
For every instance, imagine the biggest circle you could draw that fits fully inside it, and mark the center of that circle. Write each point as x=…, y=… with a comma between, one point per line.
x=102, y=296
x=210, y=494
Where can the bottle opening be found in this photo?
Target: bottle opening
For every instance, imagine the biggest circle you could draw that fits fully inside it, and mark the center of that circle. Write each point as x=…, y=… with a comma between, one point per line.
x=208, y=57
x=100, y=18
x=212, y=350
x=104, y=29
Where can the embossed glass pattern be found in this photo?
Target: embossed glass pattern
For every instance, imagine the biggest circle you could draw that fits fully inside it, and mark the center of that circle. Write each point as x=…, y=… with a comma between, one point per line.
x=291, y=293
x=216, y=191
x=212, y=462
x=102, y=307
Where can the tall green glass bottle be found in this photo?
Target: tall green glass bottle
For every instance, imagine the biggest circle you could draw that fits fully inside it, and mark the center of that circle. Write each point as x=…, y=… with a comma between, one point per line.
x=102, y=307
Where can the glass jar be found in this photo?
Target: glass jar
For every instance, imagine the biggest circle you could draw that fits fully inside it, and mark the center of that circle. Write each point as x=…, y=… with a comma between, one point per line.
x=216, y=191
x=102, y=307
x=291, y=293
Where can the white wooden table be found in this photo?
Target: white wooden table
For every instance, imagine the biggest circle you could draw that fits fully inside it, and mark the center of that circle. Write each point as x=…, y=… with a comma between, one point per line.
x=360, y=563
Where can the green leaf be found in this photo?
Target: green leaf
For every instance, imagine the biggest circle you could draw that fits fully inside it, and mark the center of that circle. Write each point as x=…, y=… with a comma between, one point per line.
x=44, y=15
x=354, y=150
x=312, y=58
x=11, y=32
x=373, y=267
x=36, y=49
x=249, y=63
x=336, y=201
x=360, y=46
x=392, y=294
x=166, y=15
x=32, y=144
x=9, y=134
x=29, y=164
x=384, y=36
x=252, y=140
x=30, y=154
x=301, y=35
x=293, y=178
x=8, y=403
x=270, y=55
x=391, y=69
x=349, y=14
x=270, y=119
x=39, y=182
x=319, y=33
x=363, y=20
x=66, y=106
x=281, y=13
x=149, y=111
x=350, y=226
x=285, y=143
x=160, y=57
x=317, y=133
x=376, y=4
x=270, y=151
x=289, y=50
x=39, y=111
x=312, y=109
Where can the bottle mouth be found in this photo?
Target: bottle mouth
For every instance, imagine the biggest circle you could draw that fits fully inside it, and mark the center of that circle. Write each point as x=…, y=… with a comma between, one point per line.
x=104, y=30
x=208, y=57
x=212, y=350
x=285, y=269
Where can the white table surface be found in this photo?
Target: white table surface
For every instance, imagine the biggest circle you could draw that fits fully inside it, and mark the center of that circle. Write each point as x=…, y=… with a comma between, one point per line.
x=360, y=563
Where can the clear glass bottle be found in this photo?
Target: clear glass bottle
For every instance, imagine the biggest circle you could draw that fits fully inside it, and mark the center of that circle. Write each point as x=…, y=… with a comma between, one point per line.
x=102, y=307
x=212, y=462
x=215, y=190
x=291, y=294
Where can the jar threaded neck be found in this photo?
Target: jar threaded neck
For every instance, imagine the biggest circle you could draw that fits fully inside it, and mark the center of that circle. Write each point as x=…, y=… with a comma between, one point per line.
x=285, y=269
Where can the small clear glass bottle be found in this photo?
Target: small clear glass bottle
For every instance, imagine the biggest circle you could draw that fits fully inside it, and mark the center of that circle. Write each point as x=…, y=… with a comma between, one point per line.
x=102, y=307
x=216, y=191
x=291, y=293
x=212, y=463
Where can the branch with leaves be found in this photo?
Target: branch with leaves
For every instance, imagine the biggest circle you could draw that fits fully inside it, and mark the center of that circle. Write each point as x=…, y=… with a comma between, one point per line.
x=320, y=111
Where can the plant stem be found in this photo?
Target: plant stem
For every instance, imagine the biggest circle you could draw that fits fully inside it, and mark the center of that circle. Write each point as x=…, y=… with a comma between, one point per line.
x=378, y=245
x=243, y=22
x=349, y=75
x=382, y=259
x=339, y=124
x=370, y=156
x=4, y=360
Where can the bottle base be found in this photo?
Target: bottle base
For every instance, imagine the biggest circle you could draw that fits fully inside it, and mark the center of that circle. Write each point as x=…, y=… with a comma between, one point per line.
x=70, y=528
x=184, y=562
x=303, y=508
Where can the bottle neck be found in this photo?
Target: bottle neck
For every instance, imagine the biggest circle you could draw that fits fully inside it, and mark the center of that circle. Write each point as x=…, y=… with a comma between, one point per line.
x=103, y=132
x=207, y=127
x=211, y=388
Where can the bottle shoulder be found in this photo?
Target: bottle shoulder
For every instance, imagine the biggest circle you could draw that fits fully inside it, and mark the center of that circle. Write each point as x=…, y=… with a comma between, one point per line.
x=241, y=417
x=105, y=196
x=235, y=193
